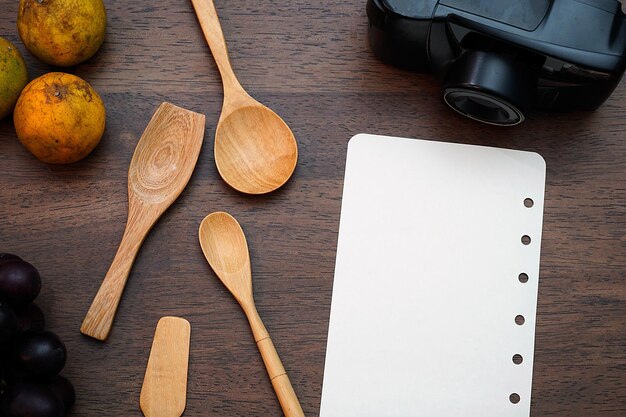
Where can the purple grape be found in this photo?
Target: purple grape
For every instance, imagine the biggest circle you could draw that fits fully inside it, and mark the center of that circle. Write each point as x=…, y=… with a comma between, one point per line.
x=30, y=399
x=64, y=389
x=20, y=282
x=8, y=324
x=38, y=355
x=9, y=257
x=29, y=318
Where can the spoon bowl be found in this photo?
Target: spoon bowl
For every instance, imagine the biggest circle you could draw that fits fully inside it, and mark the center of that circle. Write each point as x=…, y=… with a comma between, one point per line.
x=225, y=248
x=255, y=151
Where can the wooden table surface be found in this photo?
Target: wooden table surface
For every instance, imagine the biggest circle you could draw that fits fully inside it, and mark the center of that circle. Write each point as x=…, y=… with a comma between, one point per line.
x=311, y=63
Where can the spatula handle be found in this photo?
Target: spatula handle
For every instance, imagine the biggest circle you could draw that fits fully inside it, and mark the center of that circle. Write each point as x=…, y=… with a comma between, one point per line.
x=210, y=23
x=164, y=390
x=278, y=376
x=99, y=318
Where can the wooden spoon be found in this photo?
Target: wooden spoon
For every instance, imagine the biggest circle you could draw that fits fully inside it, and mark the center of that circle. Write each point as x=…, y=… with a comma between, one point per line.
x=255, y=151
x=225, y=247
x=162, y=164
x=164, y=389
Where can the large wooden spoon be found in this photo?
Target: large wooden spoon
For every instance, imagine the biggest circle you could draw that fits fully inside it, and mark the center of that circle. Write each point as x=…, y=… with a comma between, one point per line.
x=162, y=164
x=225, y=247
x=255, y=151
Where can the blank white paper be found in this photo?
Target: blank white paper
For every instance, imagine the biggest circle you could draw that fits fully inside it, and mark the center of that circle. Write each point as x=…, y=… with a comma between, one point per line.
x=427, y=287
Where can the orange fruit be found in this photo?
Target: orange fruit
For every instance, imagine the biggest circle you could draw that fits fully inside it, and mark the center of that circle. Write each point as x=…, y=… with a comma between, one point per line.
x=62, y=32
x=59, y=118
x=13, y=76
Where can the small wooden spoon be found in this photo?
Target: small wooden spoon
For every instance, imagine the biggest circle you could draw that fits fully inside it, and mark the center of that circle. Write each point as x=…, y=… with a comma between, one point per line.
x=255, y=151
x=164, y=390
x=162, y=164
x=225, y=247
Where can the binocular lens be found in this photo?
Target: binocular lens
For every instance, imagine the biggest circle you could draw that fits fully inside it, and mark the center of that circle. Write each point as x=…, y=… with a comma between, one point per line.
x=483, y=107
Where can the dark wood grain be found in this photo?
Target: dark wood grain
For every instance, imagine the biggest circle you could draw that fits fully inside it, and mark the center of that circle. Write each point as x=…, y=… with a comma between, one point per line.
x=310, y=62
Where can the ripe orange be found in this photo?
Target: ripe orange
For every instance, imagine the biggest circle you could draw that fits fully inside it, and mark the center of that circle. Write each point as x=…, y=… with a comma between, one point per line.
x=62, y=32
x=13, y=76
x=59, y=118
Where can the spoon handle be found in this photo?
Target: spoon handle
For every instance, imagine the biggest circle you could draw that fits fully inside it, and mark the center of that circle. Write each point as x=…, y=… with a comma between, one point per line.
x=210, y=23
x=278, y=376
x=99, y=318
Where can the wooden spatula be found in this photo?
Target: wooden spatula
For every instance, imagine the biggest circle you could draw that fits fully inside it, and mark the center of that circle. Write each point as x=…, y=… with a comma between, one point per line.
x=164, y=389
x=162, y=164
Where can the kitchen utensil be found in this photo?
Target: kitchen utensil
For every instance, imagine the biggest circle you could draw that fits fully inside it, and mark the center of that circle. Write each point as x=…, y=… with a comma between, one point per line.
x=164, y=389
x=435, y=290
x=225, y=248
x=161, y=166
x=255, y=151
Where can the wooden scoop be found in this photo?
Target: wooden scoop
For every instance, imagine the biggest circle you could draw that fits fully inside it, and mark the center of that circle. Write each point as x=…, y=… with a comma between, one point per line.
x=164, y=390
x=162, y=164
x=255, y=151
x=225, y=247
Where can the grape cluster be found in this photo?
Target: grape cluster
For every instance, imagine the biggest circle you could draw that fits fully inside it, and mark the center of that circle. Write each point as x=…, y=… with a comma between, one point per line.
x=30, y=357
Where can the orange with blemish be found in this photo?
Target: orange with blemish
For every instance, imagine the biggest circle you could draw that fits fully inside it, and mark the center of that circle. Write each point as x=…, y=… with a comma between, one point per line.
x=59, y=118
x=62, y=32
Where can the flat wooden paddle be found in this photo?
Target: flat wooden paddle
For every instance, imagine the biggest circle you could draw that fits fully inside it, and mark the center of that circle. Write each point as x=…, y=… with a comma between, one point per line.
x=164, y=390
x=225, y=248
x=162, y=164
